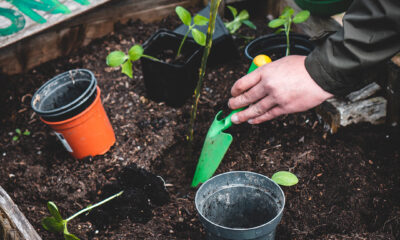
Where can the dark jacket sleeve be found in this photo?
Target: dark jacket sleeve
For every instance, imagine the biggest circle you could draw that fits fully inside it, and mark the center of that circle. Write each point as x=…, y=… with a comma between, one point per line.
x=370, y=35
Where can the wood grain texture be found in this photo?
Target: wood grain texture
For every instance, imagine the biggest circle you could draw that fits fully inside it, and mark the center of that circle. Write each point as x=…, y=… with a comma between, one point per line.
x=32, y=27
x=67, y=36
x=13, y=224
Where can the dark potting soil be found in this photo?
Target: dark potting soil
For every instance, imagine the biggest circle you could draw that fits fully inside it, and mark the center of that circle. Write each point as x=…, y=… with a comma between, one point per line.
x=169, y=56
x=142, y=191
x=348, y=182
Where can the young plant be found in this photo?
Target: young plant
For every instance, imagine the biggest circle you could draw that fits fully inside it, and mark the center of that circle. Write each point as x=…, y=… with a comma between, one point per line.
x=238, y=20
x=285, y=178
x=198, y=20
x=286, y=19
x=55, y=223
x=119, y=58
x=20, y=134
x=210, y=31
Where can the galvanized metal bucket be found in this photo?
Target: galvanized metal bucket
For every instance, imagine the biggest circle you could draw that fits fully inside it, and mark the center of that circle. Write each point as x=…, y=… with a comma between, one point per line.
x=240, y=205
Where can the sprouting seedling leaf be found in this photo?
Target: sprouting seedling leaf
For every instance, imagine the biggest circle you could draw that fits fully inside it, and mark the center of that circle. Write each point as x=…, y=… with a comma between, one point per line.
x=200, y=20
x=233, y=11
x=52, y=225
x=116, y=58
x=286, y=19
x=15, y=138
x=199, y=37
x=238, y=20
x=127, y=68
x=51, y=206
x=285, y=178
x=55, y=223
x=26, y=133
x=301, y=16
x=249, y=24
x=243, y=15
x=184, y=15
x=18, y=131
x=276, y=23
x=135, y=52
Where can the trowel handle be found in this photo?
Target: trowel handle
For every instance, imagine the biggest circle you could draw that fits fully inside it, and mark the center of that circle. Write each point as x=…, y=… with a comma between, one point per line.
x=258, y=61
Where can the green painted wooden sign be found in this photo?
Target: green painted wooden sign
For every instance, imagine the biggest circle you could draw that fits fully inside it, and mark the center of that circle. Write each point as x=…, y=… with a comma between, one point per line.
x=22, y=18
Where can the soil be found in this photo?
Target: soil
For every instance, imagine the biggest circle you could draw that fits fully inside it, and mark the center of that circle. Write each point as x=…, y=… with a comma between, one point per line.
x=348, y=182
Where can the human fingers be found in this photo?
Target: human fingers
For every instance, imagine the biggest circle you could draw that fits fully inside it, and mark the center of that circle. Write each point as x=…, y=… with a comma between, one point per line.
x=246, y=82
x=269, y=115
x=254, y=111
x=253, y=95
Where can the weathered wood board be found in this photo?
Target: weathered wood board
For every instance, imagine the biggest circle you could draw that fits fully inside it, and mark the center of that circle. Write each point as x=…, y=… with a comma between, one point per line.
x=66, y=36
x=22, y=18
x=13, y=224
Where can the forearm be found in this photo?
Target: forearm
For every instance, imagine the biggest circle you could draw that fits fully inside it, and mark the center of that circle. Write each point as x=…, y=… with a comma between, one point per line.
x=370, y=35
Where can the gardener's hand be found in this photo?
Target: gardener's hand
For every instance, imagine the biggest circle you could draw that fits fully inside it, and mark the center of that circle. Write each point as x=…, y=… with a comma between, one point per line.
x=281, y=87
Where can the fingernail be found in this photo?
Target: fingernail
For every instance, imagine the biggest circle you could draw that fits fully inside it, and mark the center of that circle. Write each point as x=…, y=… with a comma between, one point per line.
x=229, y=106
x=251, y=121
x=235, y=119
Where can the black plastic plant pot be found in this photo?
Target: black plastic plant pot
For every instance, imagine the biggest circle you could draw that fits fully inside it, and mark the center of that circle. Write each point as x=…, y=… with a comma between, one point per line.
x=274, y=45
x=172, y=82
x=65, y=95
x=223, y=47
x=240, y=205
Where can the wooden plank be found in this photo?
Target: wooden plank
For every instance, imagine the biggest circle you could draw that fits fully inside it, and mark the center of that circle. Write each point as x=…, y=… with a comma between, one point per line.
x=32, y=20
x=13, y=224
x=60, y=40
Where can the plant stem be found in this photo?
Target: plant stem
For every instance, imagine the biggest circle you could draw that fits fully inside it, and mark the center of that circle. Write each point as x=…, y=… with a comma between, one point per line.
x=93, y=206
x=206, y=52
x=287, y=30
x=150, y=57
x=183, y=41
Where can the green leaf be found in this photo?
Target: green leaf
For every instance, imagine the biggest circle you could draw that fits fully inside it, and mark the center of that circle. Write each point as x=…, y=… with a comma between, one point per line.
x=285, y=178
x=279, y=30
x=243, y=15
x=26, y=132
x=18, y=131
x=249, y=24
x=276, y=23
x=54, y=211
x=15, y=138
x=127, y=68
x=199, y=37
x=51, y=224
x=301, y=16
x=70, y=236
x=136, y=52
x=200, y=20
x=235, y=26
x=184, y=15
x=286, y=13
x=116, y=58
x=233, y=11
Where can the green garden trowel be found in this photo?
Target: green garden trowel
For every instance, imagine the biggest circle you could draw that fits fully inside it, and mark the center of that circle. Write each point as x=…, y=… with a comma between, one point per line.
x=217, y=142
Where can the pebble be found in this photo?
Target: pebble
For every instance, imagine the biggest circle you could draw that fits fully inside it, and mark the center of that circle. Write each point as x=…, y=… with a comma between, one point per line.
x=4, y=154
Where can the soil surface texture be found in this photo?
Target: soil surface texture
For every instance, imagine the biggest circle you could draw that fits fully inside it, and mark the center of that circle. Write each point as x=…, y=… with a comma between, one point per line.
x=348, y=182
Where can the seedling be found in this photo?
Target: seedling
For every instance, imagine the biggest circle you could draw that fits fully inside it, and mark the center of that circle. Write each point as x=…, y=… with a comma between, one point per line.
x=118, y=58
x=198, y=20
x=55, y=223
x=286, y=19
x=285, y=178
x=238, y=20
x=20, y=134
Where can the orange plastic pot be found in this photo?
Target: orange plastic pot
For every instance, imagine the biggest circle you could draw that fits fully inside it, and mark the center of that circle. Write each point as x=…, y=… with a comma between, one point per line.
x=87, y=134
